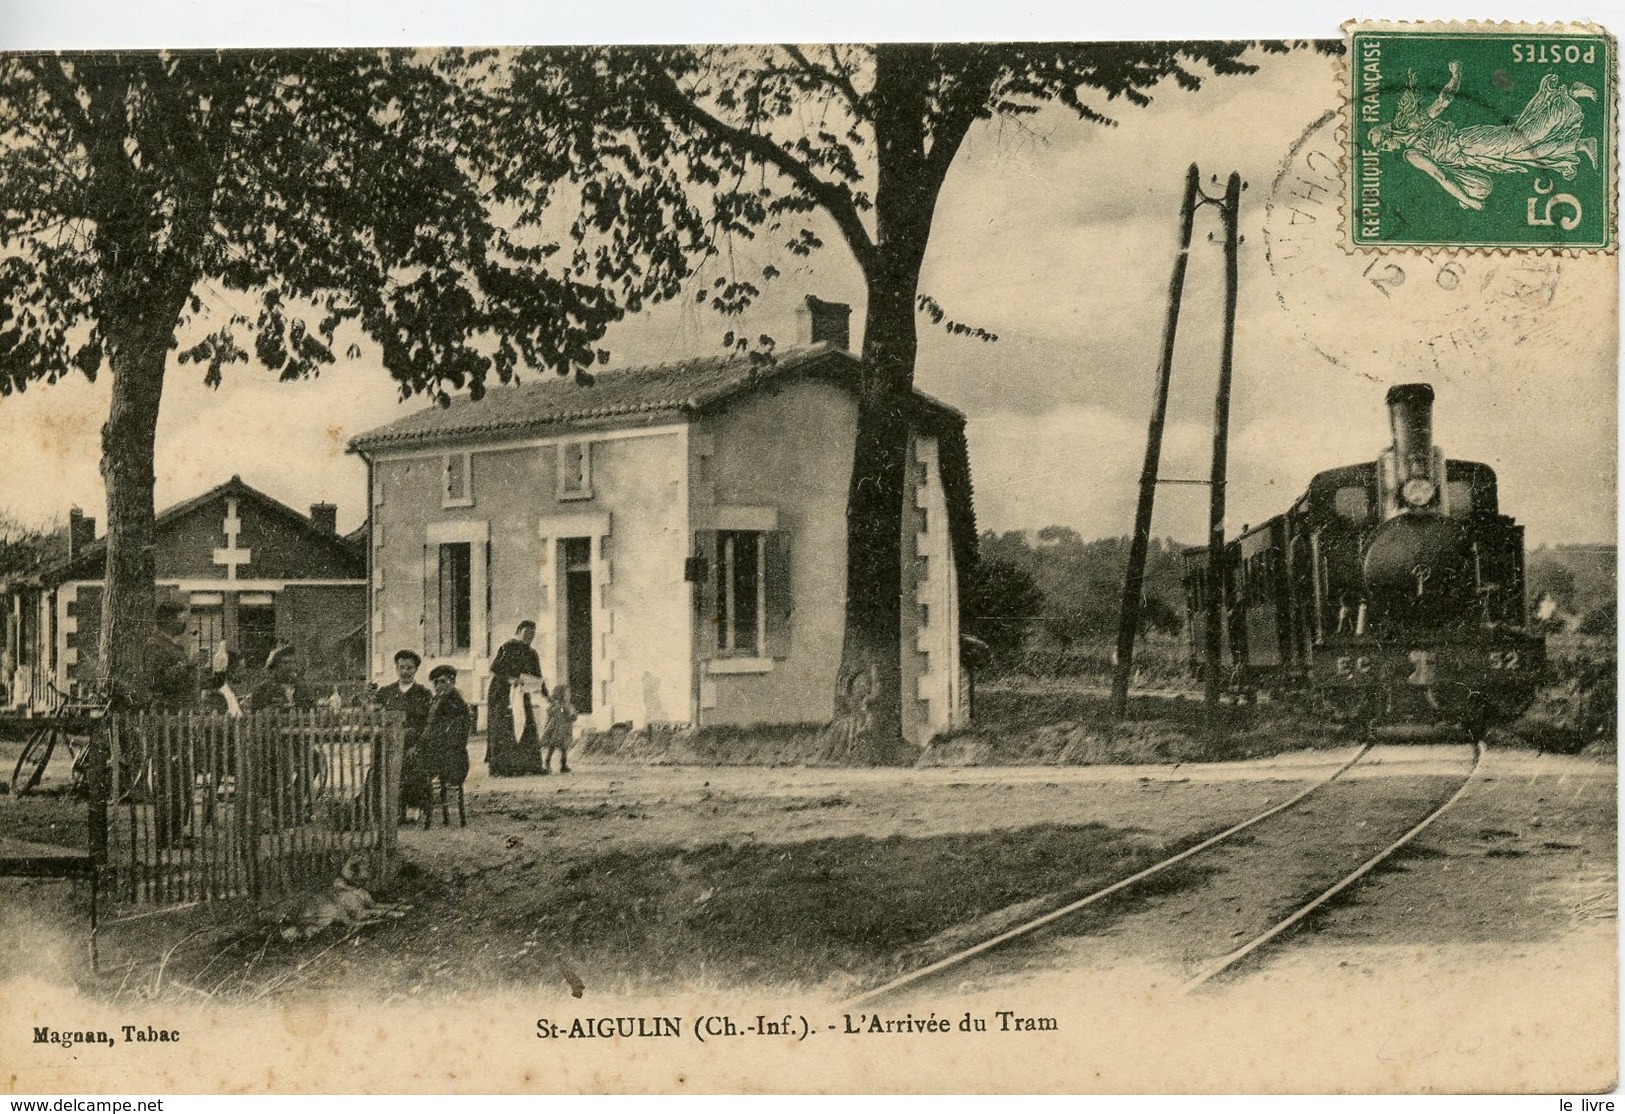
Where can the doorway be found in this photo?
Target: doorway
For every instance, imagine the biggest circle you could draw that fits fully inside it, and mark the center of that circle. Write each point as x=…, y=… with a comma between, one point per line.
x=575, y=559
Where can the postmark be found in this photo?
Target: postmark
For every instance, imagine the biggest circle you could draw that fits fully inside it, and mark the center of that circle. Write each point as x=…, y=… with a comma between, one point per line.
x=1480, y=136
x=1424, y=313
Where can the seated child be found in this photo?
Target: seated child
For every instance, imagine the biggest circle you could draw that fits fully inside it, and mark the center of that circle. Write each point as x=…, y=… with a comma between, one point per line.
x=446, y=735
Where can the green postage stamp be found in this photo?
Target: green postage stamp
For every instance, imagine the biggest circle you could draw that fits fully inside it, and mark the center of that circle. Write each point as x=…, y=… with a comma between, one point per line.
x=1481, y=136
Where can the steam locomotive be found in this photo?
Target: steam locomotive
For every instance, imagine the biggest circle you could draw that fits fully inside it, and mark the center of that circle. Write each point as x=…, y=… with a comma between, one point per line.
x=1391, y=593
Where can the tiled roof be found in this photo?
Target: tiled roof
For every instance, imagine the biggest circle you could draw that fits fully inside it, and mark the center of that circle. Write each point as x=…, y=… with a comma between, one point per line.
x=93, y=560
x=638, y=394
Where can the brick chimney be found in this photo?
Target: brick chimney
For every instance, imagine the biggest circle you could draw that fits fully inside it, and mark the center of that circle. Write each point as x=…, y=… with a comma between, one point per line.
x=821, y=322
x=325, y=517
x=81, y=532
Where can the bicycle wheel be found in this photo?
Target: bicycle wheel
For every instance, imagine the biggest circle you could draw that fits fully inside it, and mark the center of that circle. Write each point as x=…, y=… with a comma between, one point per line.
x=83, y=756
x=35, y=757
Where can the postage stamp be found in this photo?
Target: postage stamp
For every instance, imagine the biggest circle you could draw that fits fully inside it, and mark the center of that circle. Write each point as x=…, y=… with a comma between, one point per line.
x=1481, y=136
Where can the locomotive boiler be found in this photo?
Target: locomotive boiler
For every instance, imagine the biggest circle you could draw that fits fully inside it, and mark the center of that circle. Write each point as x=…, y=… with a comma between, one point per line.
x=1390, y=593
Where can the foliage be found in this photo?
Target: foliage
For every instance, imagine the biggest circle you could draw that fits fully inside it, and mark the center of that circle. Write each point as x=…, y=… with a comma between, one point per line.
x=1603, y=620
x=1579, y=705
x=330, y=187
x=25, y=549
x=1580, y=579
x=725, y=141
x=1548, y=577
x=1161, y=661
x=1082, y=582
x=999, y=600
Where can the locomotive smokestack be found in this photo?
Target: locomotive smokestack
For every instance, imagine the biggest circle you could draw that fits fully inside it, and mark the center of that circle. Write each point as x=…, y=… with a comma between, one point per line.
x=1410, y=413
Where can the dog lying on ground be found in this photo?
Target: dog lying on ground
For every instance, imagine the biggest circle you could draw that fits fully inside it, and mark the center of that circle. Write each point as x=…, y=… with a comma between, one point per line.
x=345, y=904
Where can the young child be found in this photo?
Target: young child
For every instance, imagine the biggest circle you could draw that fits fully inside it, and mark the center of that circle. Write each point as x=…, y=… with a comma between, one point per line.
x=561, y=719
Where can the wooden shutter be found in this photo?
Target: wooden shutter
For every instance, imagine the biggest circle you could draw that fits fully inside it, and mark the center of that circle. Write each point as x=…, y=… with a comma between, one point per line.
x=487, y=598
x=780, y=601
x=705, y=622
x=431, y=600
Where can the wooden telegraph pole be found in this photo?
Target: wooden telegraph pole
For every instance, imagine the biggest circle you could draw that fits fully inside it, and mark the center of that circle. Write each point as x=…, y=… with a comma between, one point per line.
x=1134, y=578
x=1221, y=450
x=1128, y=615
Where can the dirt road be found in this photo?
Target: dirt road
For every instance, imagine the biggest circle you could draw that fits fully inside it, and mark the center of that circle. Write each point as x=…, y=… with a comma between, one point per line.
x=638, y=878
x=681, y=885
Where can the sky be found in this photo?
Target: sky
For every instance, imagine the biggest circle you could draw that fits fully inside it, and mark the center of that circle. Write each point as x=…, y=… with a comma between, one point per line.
x=1058, y=236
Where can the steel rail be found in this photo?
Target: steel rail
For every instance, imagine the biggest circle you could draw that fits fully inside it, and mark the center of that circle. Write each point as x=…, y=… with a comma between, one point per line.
x=912, y=977
x=1226, y=962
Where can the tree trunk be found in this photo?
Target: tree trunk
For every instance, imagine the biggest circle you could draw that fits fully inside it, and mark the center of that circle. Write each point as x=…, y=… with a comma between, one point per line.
x=129, y=443
x=870, y=694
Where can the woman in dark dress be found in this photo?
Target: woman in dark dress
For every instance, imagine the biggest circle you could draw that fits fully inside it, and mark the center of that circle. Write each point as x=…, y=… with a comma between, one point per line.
x=506, y=753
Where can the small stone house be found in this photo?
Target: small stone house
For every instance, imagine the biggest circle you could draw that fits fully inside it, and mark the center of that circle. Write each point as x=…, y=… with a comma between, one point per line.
x=677, y=532
x=254, y=572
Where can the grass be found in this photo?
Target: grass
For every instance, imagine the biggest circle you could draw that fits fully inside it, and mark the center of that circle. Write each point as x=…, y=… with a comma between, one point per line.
x=832, y=904
x=1161, y=663
x=836, y=913
x=761, y=744
x=55, y=817
x=1022, y=722
x=1052, y=710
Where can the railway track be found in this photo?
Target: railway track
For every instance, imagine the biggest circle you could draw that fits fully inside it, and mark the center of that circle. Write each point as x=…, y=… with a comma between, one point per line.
x=964, y=961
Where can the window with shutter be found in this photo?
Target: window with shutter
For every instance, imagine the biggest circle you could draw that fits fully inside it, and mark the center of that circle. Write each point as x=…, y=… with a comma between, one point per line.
x=457, y=587
x=745, y=595
x=429, y=620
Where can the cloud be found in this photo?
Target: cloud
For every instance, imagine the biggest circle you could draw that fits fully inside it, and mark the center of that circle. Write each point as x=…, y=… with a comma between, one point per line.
x=1079, y=466
x=1059, y=237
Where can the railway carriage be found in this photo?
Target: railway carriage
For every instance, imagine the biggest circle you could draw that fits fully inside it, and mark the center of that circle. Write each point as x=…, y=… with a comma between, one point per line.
x=1391, y=592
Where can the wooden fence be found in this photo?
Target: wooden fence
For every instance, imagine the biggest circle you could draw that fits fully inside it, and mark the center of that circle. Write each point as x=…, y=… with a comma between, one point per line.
x=192, y=807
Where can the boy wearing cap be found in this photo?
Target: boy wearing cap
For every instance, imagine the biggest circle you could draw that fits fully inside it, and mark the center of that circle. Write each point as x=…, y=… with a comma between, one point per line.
x=445, y=738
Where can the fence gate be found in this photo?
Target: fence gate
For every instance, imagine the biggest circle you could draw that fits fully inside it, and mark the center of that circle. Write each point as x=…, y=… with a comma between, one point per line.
x=200, y=807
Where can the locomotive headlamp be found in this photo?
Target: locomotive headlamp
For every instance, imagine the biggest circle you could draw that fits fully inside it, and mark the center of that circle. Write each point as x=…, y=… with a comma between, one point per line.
x=1418, y=492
